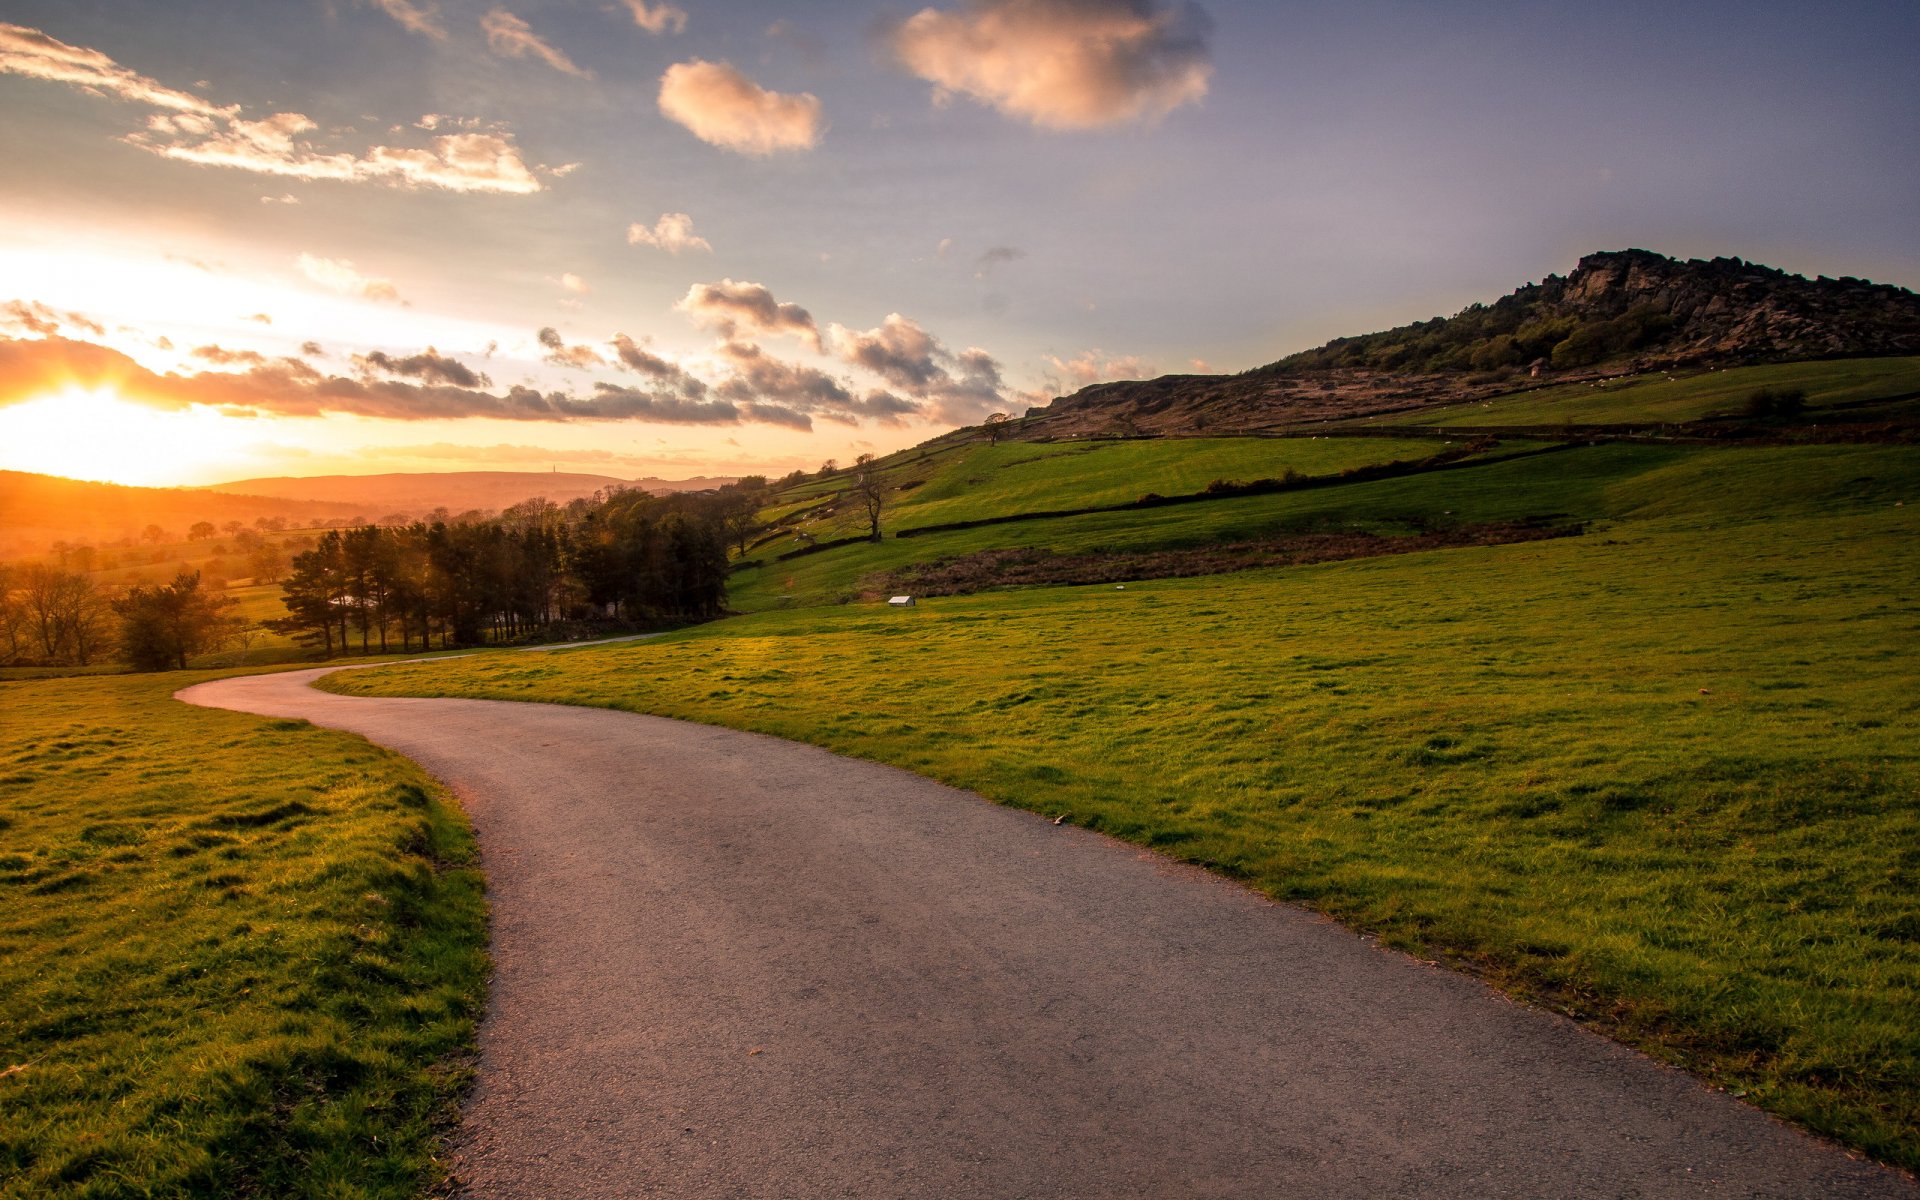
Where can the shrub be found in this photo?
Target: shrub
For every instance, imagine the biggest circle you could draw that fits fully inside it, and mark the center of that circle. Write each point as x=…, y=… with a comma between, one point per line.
x=1776, y=402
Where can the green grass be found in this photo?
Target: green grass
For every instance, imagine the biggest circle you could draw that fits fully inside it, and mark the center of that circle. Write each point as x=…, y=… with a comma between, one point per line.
x=972, y=480
x=1659, y=398
x=238, y=956
x=1585, y=484
x=1663, y=777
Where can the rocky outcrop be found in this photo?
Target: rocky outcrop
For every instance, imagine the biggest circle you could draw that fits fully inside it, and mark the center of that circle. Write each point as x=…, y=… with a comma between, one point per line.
x=1617, y=312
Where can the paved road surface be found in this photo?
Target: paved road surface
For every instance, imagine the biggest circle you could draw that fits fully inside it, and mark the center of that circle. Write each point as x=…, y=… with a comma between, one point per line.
x=729, y=965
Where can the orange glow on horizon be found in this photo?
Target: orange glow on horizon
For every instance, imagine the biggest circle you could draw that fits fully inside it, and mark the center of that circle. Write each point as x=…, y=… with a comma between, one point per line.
x=91, y=433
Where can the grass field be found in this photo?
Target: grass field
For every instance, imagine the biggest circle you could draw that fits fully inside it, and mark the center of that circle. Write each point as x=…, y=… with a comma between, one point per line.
x=1664, y=777
x=1584, y=484
x=238, y=956
x=1658, y=398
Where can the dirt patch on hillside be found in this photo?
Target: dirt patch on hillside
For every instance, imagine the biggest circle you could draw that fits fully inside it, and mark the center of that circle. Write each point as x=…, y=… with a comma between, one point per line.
x=961, y=574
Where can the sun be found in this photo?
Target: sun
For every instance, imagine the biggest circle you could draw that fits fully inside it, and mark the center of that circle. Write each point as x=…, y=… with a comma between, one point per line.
x=91, y=433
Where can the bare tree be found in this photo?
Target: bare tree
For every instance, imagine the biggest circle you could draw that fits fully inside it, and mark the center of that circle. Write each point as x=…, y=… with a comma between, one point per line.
x=866, y=486
x=996, y=427
x=63, y=612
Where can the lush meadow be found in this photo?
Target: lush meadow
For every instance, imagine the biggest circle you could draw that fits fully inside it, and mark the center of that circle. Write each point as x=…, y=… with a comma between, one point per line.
x=238, y=956
x=1662, y=776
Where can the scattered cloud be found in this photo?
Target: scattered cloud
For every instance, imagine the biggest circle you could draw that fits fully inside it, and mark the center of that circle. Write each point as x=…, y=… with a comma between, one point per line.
x=634, y=357
x=994, y=256
x=414, y=18
x=292, y=388
x=510, y=37
x=723, y=107
x=29, y=52
x=673, y=232
x=960, y=388
x=657, y=18
x=37, y=318
x=1095, y=366
x=429, y=366
x=1061, y=64
x=573, y=283
x=729, y=306
x=190, y=129
x=258, y=318
x=581, y=357
x=284, y=198
x=337, y=274
x=312, y=350
x=219, y=356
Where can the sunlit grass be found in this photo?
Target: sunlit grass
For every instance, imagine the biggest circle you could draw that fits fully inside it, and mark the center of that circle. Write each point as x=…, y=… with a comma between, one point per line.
x=1663, y=777
x=238, y=956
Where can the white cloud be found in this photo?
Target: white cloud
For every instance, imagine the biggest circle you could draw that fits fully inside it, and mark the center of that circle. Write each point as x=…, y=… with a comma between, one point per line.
x=657, y=18
x=731, y=305
x=574, y=284
x=510, y=37
x=338, y=274
x=413, y=18
x=673, y=232
x=1061, y=64
x=721, y=106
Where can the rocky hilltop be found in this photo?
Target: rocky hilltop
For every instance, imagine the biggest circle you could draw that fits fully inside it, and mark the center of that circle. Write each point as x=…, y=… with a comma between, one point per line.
x=1618, y=312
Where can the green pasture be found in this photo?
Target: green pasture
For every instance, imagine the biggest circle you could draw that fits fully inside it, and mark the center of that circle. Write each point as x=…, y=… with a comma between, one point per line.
x=1662, y=777
x=971, y=481
x=238, y=956
x=1575, y=485
x=1672, y=398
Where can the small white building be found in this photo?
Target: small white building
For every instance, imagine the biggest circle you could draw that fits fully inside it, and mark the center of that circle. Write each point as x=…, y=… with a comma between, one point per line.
x=901, y=602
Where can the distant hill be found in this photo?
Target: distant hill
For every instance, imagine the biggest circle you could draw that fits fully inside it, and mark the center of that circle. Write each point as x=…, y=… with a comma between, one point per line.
x=1616, y=313
x=415, y=494
x=38, y=510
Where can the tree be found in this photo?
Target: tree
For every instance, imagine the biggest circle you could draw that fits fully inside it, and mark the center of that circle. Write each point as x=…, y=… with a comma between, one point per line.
x=154, y=534
x=63, y=612
x=867, y=487
x=200, y=531
x=996, y=427
x=164, y=625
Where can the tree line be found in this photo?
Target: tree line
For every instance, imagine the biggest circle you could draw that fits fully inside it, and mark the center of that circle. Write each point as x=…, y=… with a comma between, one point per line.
x=628, y=559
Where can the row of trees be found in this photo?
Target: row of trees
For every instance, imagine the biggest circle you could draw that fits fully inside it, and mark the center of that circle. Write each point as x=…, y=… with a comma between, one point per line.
x=54, y=617
x=630, y=558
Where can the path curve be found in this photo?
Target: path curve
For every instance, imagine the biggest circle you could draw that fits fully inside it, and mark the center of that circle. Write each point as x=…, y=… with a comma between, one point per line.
x=728, y=965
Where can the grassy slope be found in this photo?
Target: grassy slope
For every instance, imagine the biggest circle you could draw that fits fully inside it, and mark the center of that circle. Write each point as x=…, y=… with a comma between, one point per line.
x=971, y=480
x=1570, y=484
x=1681, y=398
x=237, y=956
x=1663, y=776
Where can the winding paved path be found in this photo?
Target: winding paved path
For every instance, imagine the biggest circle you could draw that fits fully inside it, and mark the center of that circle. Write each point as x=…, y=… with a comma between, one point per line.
x=729, y=965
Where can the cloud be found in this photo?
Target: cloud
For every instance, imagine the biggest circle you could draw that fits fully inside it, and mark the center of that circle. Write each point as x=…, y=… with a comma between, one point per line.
x=190, y=129
x=36, y=318
x=510, y=37
x=673, y=232
x=657, y=18
x=430, y=366
x=573, y=283
x=29, y=52
x=289, y=387
x=221, y=357
x=633, y=357
x=960, y=388
x=1095, y=366
x=413, y=18
x=730, y=305
x=994, y=256
x=312, y=350
x=258, y=318
x=580, y=357
x=721, y=106
x=337, y=274
x=1061, y=64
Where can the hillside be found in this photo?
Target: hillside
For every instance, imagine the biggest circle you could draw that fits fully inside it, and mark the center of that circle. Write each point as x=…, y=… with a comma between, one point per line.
x=1616, y=313
x=416, y=494
x=38, y=510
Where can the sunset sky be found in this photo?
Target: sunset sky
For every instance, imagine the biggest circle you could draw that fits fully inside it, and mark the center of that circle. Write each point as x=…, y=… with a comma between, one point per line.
x=654, y=238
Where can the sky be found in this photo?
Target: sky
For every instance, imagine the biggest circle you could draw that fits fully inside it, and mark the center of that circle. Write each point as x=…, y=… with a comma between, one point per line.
x=648, y=238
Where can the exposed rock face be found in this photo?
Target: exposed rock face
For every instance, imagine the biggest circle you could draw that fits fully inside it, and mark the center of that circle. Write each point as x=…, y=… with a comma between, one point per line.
x=1617, y=312
x=1725, y=309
